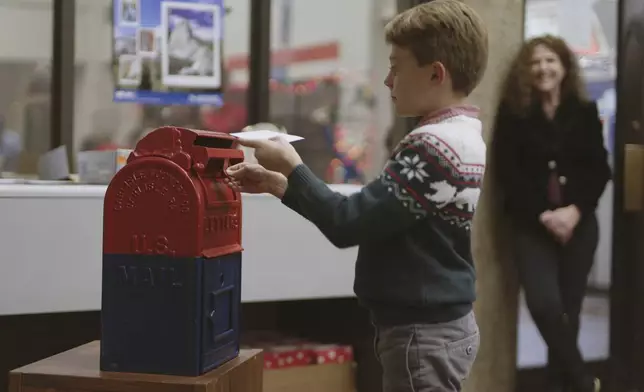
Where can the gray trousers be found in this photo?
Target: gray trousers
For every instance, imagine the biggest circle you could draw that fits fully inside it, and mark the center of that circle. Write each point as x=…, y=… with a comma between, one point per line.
x=427, y=357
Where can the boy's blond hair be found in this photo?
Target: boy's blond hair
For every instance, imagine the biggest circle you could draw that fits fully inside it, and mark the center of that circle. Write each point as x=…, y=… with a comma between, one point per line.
x=446, y=31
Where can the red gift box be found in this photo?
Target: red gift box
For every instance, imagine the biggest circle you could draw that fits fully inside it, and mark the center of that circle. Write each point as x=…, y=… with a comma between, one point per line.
x=279, y=357
x=284, y=352
x=332, y=353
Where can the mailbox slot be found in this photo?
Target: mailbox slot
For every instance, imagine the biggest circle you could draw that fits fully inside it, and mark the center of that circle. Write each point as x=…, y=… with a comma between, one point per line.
x=211, y=142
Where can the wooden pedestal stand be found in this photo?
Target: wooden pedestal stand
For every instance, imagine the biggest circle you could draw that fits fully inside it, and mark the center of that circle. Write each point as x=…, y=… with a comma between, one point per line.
x=78, y=370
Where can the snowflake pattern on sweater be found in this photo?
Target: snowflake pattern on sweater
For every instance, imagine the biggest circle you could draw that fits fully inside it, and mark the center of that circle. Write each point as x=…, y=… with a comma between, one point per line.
x=437, y=170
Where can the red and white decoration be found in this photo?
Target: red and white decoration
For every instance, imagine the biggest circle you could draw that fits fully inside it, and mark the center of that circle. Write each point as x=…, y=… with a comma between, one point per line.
x=282, y=353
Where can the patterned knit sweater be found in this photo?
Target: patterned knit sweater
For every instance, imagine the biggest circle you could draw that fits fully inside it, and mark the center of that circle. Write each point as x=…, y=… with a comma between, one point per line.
x=412, y=224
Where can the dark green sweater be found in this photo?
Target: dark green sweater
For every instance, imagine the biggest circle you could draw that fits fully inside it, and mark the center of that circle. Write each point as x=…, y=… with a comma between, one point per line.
x=412, y=224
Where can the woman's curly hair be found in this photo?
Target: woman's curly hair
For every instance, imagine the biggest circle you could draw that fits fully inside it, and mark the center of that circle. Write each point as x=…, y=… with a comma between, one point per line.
x=518, y=93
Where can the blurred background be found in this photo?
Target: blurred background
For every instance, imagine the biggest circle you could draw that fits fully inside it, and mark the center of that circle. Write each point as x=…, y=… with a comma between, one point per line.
x=326, y=63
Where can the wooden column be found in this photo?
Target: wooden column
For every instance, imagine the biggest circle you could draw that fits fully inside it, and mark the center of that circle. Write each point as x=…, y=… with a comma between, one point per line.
x=497, y=287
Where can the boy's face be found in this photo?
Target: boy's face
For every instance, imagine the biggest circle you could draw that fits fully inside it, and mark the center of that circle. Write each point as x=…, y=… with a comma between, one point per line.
x=415, y=90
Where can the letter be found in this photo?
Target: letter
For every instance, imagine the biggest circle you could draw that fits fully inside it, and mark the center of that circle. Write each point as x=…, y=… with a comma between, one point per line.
x=122, y=273
x=139, y=243
x=137, y=191
x=161, y=247
x=174, y=278
x=127, y=275
x=234, y=221
x=147, y=278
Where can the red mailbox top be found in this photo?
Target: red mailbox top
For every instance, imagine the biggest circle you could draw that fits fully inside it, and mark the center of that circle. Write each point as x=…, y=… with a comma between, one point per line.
x=170, y=198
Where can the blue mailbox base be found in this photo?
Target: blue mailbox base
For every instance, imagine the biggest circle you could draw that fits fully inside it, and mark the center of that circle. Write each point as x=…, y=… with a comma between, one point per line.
x=163, y=315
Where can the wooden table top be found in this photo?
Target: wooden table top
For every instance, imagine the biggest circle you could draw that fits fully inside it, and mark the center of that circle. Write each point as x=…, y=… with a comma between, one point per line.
x=80, y=367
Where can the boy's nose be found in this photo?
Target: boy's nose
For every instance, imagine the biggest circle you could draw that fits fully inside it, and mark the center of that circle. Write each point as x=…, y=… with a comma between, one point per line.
x=389, y=81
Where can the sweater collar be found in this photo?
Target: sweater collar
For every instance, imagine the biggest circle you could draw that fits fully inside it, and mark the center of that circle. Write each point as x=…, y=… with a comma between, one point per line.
x=464, y=114
x=446, y=113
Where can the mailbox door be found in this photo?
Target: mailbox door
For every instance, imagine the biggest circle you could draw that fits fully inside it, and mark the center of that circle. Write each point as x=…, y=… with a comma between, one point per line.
x=221, y=302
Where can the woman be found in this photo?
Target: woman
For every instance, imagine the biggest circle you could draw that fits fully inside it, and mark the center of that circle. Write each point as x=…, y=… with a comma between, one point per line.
x=551, y=167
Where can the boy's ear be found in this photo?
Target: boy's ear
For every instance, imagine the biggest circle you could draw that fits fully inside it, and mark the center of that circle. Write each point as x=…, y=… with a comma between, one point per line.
x=439, y=73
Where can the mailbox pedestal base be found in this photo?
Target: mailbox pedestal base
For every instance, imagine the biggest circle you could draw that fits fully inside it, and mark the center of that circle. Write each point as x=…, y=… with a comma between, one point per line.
x=78, y=370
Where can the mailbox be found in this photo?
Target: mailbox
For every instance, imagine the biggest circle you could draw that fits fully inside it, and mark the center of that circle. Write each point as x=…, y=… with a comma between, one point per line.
x=172, y=256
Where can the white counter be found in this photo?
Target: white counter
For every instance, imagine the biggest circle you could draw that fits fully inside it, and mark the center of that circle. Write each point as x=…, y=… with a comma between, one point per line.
x=51, y=247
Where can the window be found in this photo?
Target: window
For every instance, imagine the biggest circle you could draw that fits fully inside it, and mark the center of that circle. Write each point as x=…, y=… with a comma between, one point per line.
x=101, y=123
x=326, y=84
x=327, y=72
x=25, y=76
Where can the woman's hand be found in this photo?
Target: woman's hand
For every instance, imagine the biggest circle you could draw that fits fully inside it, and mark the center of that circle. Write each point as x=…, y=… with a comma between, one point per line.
x=561, y=222
x=254, y=178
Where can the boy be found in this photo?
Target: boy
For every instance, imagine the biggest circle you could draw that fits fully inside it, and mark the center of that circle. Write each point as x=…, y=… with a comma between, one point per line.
x=414, y=271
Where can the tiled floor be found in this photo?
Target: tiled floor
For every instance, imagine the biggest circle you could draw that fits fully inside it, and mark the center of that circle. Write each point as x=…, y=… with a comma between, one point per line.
x=593, y=336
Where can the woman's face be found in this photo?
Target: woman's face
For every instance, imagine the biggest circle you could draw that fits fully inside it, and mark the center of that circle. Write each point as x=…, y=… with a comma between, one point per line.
x=547, y=69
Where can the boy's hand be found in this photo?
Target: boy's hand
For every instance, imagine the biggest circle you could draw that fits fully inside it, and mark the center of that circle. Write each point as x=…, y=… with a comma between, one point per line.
x=253, y=178
x=275, y=154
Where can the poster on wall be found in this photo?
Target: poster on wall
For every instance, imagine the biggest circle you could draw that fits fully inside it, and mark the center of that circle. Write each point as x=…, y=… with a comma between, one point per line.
x=168, y=52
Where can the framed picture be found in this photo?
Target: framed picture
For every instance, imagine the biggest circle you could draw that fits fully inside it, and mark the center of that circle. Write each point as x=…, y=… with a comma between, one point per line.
x=125, y=41
x=191, y=45
x=129, y=70
x=129, y=12
x=167, y=52
x=146, y=42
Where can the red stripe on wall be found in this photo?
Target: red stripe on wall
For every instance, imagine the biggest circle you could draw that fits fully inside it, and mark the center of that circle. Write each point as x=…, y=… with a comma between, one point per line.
x=328, y=51
x=594, y=46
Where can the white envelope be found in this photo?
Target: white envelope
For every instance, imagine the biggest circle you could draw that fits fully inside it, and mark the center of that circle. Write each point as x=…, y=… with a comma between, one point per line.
x=265, y=135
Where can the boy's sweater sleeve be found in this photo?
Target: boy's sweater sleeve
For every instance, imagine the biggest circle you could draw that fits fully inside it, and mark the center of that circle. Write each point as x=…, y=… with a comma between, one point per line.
x=416, y=182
